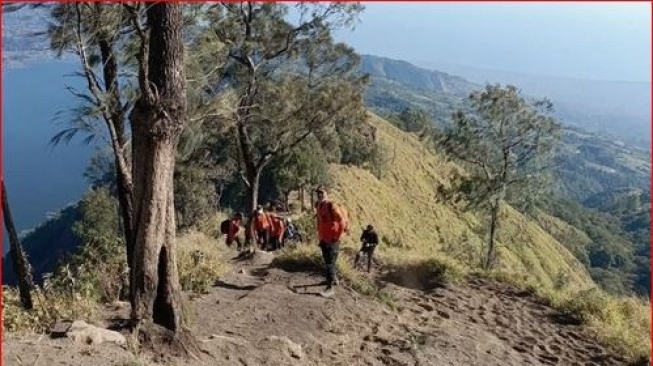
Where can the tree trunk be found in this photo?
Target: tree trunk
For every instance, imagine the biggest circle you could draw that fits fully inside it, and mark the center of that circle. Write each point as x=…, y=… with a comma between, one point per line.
x=116, y=126
x=491, y=249
x=301, y=197
x=254, y=178
x=157, y=293
x=125, y=196
x=21, y=265
x=157, y=121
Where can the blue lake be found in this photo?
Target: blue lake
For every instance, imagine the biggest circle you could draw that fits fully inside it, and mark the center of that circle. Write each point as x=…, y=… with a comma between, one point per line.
x=40, y=178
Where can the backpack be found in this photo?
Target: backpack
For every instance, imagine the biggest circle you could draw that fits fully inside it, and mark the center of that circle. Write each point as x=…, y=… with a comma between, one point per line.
x=224, y=226
x=343, y=213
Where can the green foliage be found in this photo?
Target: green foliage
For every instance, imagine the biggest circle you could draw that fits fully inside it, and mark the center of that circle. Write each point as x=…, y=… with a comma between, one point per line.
x=307, y=225
x=304, y=166
x=414, y=119
x=280, y=82
x=94, y=34
x=361, y=148
x=590, y=165
x=621, y=323
x=506, y=145
x=617, y=260
x=195, y=194
x=101, y=170
x=99, y=265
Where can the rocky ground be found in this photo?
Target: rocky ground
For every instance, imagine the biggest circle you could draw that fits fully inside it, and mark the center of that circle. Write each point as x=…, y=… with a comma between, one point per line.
x=258, y=315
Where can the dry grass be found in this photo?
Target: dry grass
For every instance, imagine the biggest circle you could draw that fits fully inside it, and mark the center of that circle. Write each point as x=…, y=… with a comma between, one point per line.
x=428, y=237
x=409, y=214
x=200, y=261
x=200, y=264
x=620, y=323
x=49, y=308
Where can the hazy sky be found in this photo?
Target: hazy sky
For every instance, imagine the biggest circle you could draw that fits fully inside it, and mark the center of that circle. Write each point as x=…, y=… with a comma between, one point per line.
x=587, y=40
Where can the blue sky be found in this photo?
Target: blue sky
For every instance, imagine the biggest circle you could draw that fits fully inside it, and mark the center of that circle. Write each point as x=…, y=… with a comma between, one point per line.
x=609, y=41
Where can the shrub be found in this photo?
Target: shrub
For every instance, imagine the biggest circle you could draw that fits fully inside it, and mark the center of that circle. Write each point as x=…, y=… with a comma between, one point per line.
x=50, y=305
x=196, y=198
x=199, y=261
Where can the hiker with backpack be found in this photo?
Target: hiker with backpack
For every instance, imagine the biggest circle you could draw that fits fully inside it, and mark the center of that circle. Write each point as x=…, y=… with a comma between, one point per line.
x=292, y=233
x=332, y=223
x=231, y=228
x=369, y=239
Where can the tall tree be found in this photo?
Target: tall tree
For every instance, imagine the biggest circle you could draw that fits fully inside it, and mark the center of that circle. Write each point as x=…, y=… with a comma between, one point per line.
x=96, y=33
x=286, y=80
x=18, y=257
x=302, y=167
x=157, y=121
x=507, y=144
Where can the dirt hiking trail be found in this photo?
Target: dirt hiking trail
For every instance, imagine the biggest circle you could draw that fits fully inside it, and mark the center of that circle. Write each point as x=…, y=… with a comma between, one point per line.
x=259, y=315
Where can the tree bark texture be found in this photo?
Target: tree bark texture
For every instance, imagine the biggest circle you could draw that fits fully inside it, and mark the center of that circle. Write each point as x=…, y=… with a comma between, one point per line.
x=157, y=121
x=18, y=257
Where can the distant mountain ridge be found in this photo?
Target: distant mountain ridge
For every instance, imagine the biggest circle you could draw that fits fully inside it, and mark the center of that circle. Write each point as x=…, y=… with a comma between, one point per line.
x=617, y=109
x=621, y=108
x=416, y=77
x=588, y=163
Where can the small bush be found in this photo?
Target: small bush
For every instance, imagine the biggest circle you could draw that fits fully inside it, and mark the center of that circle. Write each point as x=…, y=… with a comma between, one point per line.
x=49, y=307
x=199, y=261
x=307, y=225
x=392, y=242
x=195, y=194
x=300, y=259
x=424, y=273
x=99, y=266
x=211, y=226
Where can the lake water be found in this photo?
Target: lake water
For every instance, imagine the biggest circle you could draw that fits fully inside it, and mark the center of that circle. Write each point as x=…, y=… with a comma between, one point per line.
x=40, y=178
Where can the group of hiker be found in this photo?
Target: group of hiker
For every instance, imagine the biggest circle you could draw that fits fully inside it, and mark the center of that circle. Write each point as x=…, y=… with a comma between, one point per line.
x=270, y=231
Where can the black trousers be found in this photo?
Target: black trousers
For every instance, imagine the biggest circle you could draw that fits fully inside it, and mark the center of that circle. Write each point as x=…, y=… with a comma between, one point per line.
x=263, y=238
x=330, y=255
x=369, y=249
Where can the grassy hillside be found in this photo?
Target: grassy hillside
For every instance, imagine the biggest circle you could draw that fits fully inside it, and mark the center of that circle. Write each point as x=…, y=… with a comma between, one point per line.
x=545, y=252
x=413, y=221
x=588, y=167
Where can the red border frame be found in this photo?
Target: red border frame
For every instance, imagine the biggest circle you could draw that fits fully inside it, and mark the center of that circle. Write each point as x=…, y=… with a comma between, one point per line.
x=364, y=1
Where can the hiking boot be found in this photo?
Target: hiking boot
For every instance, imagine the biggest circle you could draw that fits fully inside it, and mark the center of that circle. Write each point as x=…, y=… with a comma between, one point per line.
x=328, y=292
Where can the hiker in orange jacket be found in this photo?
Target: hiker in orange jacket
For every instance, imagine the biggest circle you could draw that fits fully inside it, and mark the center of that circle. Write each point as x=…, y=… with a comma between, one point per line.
x=262, y=228
x=234, y=229
x=331, y=224
x=276, y=232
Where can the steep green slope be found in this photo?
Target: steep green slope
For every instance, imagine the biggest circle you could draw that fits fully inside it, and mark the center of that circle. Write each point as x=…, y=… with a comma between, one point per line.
x=46, y=245
x=588, y=168
x=413, y=221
